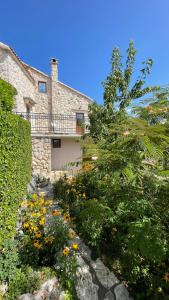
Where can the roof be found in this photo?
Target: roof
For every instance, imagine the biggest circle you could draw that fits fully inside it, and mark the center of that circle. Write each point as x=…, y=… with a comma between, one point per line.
x=25, y=67
x=17, y=59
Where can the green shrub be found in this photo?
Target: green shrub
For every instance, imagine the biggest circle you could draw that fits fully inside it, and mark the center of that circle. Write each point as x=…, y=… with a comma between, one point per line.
x=7, y=93
x=9, y=260
x=15, y=166
x=24, y=280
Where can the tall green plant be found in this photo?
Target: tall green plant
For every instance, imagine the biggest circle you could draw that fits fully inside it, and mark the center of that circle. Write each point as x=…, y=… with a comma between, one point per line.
x=119, y=91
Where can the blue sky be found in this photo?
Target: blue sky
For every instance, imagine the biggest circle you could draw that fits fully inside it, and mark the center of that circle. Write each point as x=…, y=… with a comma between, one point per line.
x=82, y=34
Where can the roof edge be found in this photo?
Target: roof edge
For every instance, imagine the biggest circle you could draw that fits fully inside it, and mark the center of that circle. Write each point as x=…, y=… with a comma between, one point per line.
x=36, y=70
x=17, y=59
x=74, y=90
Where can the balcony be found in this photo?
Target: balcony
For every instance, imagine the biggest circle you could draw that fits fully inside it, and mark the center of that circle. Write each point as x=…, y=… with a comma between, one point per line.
x=57, y=124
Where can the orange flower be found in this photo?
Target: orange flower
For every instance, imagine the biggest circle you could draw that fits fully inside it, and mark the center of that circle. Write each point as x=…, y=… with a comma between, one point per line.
x=74, y=246
x=56, y=213
x=166, y=277
x=47, y=240
x=66, y=251
x=66, y=217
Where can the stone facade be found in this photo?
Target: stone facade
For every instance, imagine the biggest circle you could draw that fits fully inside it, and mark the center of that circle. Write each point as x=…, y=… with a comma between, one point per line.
x=41, y=155
x=57, y=99
x=12, y=70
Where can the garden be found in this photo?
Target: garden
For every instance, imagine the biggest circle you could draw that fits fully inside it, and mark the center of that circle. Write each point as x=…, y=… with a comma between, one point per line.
x=118, y=203
x=120, y=200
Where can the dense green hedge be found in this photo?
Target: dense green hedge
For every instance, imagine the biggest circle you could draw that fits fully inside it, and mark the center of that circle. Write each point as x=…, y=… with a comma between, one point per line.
x=15, y=170
x=7, y=93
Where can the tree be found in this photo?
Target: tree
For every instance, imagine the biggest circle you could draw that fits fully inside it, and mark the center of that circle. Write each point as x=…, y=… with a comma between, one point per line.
x=119, y=92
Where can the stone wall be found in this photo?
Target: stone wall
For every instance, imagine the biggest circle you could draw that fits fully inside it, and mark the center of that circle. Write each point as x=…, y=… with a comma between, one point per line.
x=43, y=100
x=41, y=156
x=12, y=72
x=66, y=101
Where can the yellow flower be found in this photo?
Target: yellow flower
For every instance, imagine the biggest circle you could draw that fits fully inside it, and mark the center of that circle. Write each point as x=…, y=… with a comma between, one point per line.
x=75, y=246
x=166, y=277
x=23, y=203
x=37, y=244
x=38, y=234
x=34, y=214
x=42, y=221
x=30, y=205
x=25, y=225
x=56, y=213
x=66, y=251
x=34, y=196
x=48, y=202
x=41, y=201
x=71, y=234
x=34, y=228
x=66, y=217
x=43, y=210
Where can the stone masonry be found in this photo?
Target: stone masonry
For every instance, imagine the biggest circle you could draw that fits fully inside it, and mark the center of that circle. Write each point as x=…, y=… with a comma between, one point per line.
x=57, y=99
x=41, y=157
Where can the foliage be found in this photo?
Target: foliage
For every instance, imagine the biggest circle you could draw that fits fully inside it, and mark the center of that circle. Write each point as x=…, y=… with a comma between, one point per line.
x=24, y=280
x=46, y=239
x=8, y=260
x=44, y=232
x=119, y=91
x=15, y=165
x=128, y=220
x=7, y=93
x=66, y=270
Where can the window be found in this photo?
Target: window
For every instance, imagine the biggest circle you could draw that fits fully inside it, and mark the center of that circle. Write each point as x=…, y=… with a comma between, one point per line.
x=79, y=123
x=42, y=87
x=56, y=143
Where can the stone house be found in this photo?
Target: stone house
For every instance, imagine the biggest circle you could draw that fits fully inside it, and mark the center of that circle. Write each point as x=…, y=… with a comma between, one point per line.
x=58, y=113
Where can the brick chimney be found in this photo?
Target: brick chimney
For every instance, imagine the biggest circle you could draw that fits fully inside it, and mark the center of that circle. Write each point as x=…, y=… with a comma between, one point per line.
x=54, y=69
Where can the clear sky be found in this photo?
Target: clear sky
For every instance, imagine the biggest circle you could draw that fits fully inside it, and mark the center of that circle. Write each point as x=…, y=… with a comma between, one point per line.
x=82, y=33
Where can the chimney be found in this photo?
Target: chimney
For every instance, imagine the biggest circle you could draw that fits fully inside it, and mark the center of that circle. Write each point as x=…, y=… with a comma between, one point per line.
x=54, y=69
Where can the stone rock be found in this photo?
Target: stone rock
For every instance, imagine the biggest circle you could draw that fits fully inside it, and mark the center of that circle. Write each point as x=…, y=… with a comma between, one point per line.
x=27, y=296
x=121, y=292
x=109, y=296
x=3, y=288
x=62, y=296
x=49, y=285
x=107, y=278
x=85, y=288
x=54, y=295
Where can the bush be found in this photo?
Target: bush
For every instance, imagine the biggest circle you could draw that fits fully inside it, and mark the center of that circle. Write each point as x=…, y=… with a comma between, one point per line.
x=15, y=166
x=9, y=260
x=24, y=280
x=7, y=93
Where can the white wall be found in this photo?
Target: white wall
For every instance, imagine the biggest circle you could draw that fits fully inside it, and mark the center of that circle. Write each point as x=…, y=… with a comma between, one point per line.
x=70, y=151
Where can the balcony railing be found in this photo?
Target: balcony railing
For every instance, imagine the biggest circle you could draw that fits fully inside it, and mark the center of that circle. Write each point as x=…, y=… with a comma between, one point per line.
x=56, y=123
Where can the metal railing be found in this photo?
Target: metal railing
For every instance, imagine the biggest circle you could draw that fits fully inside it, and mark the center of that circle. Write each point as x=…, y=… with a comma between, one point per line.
x=55, y=123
